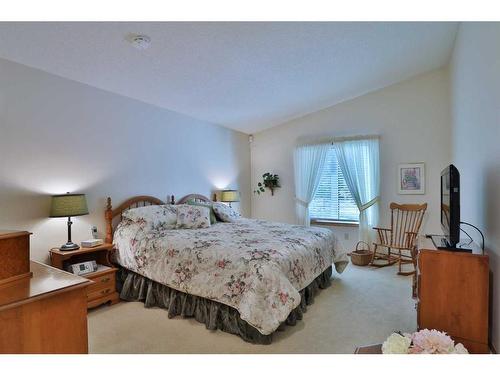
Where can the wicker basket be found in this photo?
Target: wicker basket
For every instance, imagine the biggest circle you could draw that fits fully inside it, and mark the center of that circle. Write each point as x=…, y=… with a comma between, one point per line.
x=361, y=257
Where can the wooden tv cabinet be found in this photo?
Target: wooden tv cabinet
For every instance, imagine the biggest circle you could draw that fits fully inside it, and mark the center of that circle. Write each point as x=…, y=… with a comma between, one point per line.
x=452, y=292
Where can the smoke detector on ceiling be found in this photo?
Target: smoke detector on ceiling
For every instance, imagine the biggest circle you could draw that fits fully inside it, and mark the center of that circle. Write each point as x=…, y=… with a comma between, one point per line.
x=140, y=41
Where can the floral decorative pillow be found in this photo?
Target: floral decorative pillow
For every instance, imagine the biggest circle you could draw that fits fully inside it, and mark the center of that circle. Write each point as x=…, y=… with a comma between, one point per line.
x=155, y=217
x=192, y=217
x=213, y=218
x=225, y=213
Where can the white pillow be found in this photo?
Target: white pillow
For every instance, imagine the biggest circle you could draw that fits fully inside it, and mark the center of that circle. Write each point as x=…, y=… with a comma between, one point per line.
x=155, y=217
x=225, y=213
x=192, y=217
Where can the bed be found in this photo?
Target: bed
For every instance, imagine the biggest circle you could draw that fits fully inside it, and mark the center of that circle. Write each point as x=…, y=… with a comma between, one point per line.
x=249, y=277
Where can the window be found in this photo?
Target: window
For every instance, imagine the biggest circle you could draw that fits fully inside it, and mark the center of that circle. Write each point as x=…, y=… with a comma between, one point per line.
x=333, y=200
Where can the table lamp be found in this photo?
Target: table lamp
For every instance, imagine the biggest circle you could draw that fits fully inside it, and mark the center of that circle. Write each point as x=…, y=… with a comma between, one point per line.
x=229, y=196
x=68, y=205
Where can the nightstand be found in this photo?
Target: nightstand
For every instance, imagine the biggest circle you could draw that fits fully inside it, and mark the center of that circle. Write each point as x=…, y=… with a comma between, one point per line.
x=103, y=288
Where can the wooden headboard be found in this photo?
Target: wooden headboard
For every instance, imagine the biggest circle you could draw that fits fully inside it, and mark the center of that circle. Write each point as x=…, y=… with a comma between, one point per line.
x=114, y=216
x=196, y=198
x=111, y=214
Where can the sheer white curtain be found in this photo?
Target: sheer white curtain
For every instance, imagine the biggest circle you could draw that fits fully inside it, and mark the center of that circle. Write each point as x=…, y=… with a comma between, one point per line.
x=360, y=164
x=308, y=163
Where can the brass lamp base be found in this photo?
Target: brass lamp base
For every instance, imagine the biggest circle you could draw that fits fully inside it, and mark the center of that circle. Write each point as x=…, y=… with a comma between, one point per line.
x=68, y=246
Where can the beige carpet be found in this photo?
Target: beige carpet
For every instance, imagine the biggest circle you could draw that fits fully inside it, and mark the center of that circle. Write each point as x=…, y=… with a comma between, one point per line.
x=363, y=306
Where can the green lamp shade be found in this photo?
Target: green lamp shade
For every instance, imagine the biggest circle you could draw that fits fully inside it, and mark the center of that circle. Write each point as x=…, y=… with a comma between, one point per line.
x=230, y=196
x=66, y=205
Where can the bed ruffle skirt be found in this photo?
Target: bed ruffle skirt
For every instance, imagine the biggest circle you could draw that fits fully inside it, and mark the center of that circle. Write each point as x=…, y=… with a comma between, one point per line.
x=215, y=315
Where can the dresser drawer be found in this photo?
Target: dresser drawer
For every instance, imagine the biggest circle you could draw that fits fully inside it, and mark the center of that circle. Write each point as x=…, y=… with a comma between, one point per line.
x=102, y=281
x=104, y=284
x=99, y=293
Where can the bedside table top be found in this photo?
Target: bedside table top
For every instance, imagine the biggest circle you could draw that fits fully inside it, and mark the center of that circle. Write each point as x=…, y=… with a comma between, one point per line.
x=83, y=250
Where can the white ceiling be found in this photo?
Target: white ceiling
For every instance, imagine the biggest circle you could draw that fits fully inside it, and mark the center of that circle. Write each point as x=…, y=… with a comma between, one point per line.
x=245, y=76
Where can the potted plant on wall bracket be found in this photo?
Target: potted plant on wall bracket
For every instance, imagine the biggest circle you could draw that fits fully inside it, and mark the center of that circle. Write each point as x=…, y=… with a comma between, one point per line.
x=270, y=181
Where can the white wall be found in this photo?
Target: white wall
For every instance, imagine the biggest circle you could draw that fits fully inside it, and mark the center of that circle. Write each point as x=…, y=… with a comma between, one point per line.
x=412, y=118
x=58, y=135
x=475, y=105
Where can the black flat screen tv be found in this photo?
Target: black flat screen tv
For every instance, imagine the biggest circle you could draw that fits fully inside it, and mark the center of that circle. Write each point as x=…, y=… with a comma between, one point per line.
x=450, y=205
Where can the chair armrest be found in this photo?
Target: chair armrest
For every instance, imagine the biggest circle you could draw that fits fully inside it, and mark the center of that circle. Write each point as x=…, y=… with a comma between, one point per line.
x=387, y=229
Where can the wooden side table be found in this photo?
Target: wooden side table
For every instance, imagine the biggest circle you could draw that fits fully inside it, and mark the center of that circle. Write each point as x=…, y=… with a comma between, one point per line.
x=370, y=349
x=103, y=288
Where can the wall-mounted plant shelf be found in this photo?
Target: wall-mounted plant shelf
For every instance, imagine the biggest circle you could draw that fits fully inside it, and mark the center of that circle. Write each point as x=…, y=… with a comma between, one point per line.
x=269, y=181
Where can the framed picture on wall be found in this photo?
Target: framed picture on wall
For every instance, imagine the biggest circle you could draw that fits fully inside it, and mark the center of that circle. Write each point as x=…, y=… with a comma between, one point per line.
x=411, y=178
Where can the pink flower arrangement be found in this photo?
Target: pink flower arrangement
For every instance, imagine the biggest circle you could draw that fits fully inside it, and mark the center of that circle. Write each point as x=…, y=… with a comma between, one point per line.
x=422, y=342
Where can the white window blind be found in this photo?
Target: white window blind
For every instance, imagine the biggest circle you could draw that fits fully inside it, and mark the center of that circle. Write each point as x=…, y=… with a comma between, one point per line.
x=332, y=200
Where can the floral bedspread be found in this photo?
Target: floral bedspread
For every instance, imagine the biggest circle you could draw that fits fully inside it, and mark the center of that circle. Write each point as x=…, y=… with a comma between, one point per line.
x=255, y=266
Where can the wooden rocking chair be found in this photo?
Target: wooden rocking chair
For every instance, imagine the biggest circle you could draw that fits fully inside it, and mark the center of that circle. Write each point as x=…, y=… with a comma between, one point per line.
x=406, y=220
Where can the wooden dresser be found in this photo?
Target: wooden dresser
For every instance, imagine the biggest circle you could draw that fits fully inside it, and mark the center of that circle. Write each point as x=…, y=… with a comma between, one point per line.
x=46, y=313
x=452, y=291
x=14, y=255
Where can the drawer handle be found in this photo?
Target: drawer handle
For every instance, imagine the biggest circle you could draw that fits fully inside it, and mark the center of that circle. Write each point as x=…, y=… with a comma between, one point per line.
x=105, y=280
x=106, y=291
